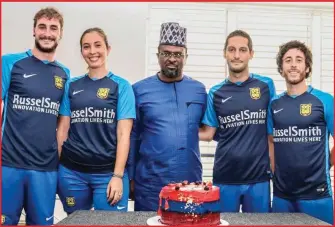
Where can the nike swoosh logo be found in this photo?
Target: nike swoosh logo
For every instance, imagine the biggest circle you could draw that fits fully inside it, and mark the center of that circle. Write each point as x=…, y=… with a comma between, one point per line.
x=276, y=111
x=225, y=100
x=28, y=75
x=120, y=208
x=47, y=219
x=76, y=92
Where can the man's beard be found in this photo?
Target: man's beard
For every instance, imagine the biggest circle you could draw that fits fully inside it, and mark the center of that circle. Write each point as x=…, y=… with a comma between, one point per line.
x=171, y=73
x=237, y=70
x=295, y=81
x=43, y=49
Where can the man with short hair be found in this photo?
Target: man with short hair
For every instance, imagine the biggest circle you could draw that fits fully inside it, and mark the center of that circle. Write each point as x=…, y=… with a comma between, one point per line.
x=32, y=90
x=236, y=115
x=170, y=106
x=300, y=121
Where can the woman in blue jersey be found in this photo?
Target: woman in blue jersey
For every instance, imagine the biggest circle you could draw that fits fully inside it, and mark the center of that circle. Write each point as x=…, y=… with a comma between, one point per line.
x=97, y=114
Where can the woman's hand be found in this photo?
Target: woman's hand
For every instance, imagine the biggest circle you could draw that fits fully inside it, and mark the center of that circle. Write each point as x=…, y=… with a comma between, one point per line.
x=114, y=190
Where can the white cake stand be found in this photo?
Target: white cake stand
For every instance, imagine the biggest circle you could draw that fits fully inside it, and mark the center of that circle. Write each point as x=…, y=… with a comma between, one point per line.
x=156, y=221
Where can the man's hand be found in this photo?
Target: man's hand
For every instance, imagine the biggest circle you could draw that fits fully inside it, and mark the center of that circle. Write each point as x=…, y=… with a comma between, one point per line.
x=332, y=157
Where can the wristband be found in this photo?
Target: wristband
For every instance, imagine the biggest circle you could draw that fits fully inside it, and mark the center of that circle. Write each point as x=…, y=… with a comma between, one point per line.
x=117, y=175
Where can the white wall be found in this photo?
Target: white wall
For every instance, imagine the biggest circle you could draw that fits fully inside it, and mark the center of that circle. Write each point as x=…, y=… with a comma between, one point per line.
x=124, y=23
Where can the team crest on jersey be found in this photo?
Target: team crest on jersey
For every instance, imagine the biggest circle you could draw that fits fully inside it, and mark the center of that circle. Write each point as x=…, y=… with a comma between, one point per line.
x=103, y=93
x=255, y=92
x=305, y=109
x=59, y=82
x=70, y=201
x=3, y=219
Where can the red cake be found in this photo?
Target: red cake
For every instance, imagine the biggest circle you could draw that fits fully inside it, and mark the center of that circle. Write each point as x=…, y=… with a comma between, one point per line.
x=189, y=204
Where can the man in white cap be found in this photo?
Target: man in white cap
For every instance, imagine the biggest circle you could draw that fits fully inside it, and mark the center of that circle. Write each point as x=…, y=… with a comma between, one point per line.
x=170, y=107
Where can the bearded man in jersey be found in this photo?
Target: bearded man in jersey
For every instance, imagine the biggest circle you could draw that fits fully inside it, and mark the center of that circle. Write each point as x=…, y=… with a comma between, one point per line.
x=300, y=121
x=32, y=90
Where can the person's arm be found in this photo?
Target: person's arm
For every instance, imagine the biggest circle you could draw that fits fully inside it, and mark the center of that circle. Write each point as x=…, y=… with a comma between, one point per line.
x=206, y=133
x=125, y=116
x=62, y=131
x=332, y=157
x=209, y=121
x=271, y=153
x=115, y=188
x=5, y=79
x=134, y=150
x=64, y=118
x=272, y=89
x=270, y=138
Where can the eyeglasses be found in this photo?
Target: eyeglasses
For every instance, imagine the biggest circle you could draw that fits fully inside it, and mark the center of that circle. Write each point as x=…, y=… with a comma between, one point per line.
x=169, y=55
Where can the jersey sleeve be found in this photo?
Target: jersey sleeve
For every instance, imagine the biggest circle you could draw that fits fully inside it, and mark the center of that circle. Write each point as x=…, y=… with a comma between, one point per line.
x=269, y=120
x=65, y=109
x=126, y=102
x=67, y=72
x=328, y=108
x=8, y=61
x=329, y=114
x=272, y=89
x=210, y=117
x=5, y=76
x=66, y=69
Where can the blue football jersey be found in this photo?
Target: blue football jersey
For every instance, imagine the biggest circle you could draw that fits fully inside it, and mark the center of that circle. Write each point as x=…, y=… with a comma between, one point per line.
x=32, y=91
x=95, y=107
x=301, y=127
x=238, y=110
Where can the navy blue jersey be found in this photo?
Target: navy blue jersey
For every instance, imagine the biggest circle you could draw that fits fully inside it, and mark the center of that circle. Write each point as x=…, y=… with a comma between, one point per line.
x=32, y=91
x=95, y=106
x=300, y=127
x=238, y=110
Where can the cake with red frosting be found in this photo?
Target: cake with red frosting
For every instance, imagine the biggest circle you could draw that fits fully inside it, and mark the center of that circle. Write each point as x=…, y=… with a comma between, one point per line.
x=189, y=204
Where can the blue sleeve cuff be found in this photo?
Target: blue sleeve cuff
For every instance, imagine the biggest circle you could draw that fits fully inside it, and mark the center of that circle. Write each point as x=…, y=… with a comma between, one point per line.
x=206, y=122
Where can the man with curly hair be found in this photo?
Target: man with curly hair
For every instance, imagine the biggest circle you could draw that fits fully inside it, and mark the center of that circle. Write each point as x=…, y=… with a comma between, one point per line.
x=300, y=121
